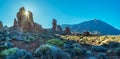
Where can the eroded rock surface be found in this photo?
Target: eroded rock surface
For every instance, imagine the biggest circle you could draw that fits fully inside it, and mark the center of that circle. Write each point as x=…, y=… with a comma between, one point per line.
x=25, y=22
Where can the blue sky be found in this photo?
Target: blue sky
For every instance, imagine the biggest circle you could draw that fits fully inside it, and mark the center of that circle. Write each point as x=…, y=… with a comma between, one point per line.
x=65, y=11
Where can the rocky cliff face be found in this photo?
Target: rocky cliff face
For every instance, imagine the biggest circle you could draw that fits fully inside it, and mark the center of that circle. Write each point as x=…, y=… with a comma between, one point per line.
x=25, y=22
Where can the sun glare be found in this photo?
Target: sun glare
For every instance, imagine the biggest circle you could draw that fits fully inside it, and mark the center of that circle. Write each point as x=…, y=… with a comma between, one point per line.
x=26, y=13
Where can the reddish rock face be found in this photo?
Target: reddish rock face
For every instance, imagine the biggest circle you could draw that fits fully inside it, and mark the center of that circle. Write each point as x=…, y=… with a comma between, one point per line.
x=1, y=25
x=67, y=30
x=25, y=22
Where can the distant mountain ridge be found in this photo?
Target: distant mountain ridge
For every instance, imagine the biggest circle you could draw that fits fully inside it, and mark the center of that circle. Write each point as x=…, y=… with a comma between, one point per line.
x=93, y=26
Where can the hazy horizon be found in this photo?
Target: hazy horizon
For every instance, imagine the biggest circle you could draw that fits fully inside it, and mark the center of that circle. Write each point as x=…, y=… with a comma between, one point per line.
x=64, y=11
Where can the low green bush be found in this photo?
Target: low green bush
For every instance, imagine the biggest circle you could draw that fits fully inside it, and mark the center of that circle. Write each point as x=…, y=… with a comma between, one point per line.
x=77, y=51
x=7, y=52
x=55, y=42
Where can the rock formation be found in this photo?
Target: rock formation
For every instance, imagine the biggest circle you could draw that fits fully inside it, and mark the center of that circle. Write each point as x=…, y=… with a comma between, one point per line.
x=15, y=25
x=56, y=28
x=86, y=33
x=54, y=24
x=67, y=30
x=25, y=22
x=59, y=29
x=1, y=25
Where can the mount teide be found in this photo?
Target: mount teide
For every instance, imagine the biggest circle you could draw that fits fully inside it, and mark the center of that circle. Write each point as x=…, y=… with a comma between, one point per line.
x=93, y=26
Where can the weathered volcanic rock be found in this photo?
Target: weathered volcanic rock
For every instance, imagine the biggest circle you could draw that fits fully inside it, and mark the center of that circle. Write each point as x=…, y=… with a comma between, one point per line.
x=15, y=22
x=54, y=24
x=15, y=25
x=1, y=25
x=56, y=28
x=25, y=22
x=67, y=30
x=59, y=29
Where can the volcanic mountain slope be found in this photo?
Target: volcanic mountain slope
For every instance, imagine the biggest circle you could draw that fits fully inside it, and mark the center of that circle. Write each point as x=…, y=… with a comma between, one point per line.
x=93, y=26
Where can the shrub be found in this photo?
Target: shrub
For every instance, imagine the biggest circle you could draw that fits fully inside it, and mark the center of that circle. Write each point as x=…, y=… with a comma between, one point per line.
x=68, y=46
x=84, y=51
x=8, y=44
x=28, y=55
x=31, y=38
x=50, y=52
x=92, y=57
x=114, y=44
x=76, y=45
x=42, y=50
x=23, y=54
x=5, y=45
x=7, y=39
x=89, y=53
x=110, y=52
x=2, y=48
x=55, y=42
x=98, y=49
x=7, y=52
x=77, y=51
x=117, y=51
x=102, y=56
x=15, y=53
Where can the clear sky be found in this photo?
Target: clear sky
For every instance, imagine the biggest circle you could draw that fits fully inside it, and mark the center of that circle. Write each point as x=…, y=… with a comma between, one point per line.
x=65, y=11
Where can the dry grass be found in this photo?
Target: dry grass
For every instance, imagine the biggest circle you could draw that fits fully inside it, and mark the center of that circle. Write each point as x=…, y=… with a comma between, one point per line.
x=93, y=40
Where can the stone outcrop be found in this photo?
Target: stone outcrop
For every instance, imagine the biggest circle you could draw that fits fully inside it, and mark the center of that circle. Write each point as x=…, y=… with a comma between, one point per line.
x=54, y=24
x=1, y=25
x=15, y=25
x=55, y=27
x=59, y=29
x=67, y=30
x=25, y=22
x=86, y=33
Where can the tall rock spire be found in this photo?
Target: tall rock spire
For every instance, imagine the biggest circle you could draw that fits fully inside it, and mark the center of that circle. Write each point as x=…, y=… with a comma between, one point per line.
x=25, y=21
x=54, y=24
x=1, y=25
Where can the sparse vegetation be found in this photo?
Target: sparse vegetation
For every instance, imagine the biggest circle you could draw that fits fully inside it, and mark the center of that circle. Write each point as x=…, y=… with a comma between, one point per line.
x=50, y=52
x=102, y=56
x=7, y=52
x=98, y=49
x=117, y=51
x=93, y=40
x=55, y=42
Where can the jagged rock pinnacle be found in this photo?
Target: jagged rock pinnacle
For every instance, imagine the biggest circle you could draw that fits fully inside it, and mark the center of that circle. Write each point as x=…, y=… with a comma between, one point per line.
x=1, y=25
x=25, y=22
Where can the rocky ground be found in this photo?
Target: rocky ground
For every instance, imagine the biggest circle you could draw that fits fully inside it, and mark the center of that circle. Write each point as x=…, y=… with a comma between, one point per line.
x=48, y=46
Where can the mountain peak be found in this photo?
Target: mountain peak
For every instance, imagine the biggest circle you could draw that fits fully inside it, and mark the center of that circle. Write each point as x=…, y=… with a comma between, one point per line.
x=92, y=26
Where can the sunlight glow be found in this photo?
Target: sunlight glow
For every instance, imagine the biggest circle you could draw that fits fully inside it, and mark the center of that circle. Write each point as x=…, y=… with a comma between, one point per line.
x=26, y=13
